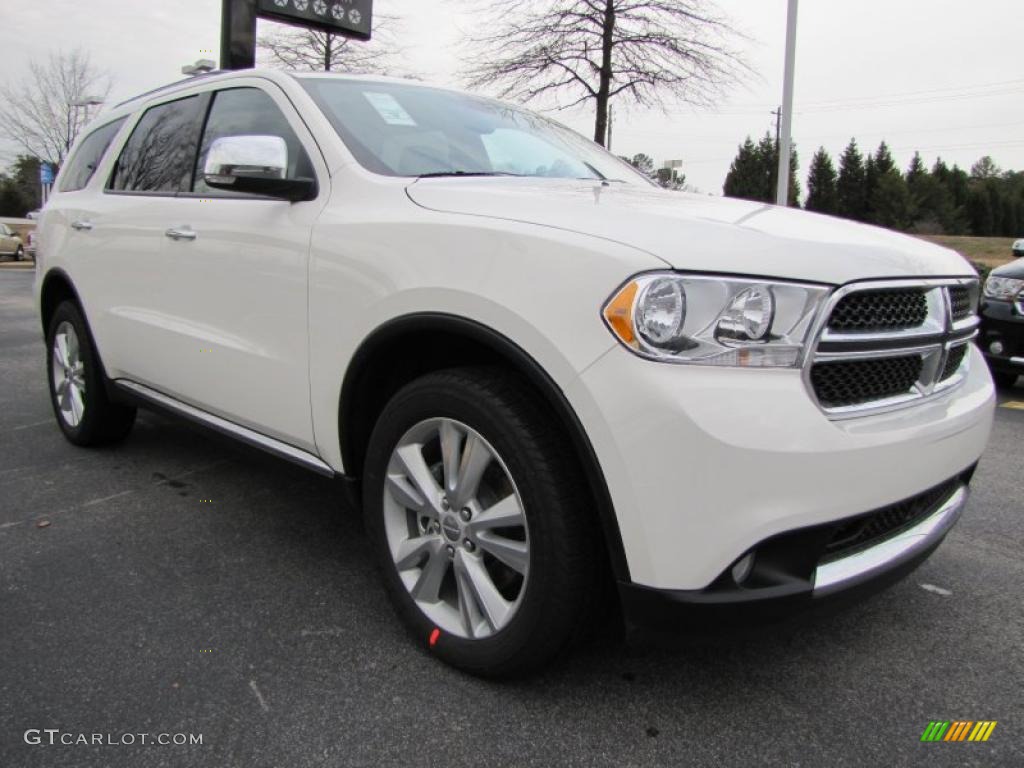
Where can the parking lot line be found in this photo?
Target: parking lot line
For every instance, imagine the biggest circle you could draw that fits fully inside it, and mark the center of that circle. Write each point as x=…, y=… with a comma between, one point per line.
x=1015, y=405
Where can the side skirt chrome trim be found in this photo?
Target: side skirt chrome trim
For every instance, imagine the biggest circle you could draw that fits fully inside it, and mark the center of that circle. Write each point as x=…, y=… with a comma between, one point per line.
x=229, y=428
x=859, y=567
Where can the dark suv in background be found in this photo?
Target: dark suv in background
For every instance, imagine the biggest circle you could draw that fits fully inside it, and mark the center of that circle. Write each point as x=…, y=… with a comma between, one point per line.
x=1002, y=323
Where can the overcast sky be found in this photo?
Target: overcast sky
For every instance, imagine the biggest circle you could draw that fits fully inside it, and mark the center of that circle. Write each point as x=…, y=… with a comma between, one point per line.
x=942, y=76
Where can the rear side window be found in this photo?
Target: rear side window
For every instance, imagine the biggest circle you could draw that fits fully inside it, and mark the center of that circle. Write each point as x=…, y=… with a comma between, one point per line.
x=159, y=155
x=87, y=157
x=248, y=112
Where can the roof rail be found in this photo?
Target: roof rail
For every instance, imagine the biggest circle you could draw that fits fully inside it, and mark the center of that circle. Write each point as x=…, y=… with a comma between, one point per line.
x=162, y=88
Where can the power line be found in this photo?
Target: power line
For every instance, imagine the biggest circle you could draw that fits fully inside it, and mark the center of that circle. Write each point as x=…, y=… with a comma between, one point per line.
x=814, y=137
x=909, y=98
x=903, y=148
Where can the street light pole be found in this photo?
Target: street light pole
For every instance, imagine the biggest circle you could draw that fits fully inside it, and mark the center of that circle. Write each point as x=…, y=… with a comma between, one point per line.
x=782, y=190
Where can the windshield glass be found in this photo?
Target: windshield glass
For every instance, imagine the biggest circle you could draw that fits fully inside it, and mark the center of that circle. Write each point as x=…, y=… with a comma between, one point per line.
x=398, y=129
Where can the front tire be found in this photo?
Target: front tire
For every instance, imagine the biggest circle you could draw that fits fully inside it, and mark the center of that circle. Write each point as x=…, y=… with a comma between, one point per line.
x=19, y=254
x=478, y=517
x=78, y=394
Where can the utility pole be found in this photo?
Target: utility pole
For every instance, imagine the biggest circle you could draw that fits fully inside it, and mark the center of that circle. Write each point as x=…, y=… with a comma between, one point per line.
x=778, y=117
x=782, y=191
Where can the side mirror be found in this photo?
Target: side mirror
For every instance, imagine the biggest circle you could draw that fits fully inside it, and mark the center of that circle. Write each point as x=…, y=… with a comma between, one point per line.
x=256, y=164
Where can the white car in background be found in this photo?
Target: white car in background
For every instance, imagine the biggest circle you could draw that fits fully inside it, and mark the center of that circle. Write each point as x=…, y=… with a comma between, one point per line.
x=543, y=375
x=1018, y=248
x=10, y=243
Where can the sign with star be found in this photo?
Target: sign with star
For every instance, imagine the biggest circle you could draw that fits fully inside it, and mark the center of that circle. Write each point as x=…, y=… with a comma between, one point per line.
x=349, y=18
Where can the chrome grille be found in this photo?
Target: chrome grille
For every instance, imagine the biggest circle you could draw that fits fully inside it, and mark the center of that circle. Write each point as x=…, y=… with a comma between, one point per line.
x=865, y=531
x=884, y=310
x=840, y=383
x=954, y=359
x=960, y=302
x=887, y=344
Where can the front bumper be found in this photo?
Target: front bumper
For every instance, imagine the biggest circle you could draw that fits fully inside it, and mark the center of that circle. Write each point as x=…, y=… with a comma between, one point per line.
x=703, y=464
x=794, y=576
x=1002, y=322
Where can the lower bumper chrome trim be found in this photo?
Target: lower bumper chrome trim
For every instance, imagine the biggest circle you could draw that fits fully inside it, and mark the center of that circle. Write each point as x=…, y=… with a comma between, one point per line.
x=864, y=565
x=229, y=428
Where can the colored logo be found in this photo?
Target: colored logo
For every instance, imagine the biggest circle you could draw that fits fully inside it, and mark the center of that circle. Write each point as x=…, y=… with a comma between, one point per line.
x=958, y=730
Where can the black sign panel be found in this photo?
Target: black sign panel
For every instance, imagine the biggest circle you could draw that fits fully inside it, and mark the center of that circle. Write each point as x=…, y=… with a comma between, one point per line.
x=350, y=18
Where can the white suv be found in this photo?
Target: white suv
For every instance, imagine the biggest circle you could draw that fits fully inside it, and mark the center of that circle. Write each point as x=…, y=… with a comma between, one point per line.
x=544, y=374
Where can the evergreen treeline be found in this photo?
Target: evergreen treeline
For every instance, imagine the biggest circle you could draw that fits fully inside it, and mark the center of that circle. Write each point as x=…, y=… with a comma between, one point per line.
x=19, y=190
x=870, y=188
x=755, y=171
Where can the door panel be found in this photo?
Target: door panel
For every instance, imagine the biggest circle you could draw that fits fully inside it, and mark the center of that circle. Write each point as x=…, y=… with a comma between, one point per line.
x=230, y=315
x=117, y=252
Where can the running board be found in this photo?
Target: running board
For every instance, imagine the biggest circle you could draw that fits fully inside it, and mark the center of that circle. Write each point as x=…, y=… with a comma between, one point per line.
x=229, y=428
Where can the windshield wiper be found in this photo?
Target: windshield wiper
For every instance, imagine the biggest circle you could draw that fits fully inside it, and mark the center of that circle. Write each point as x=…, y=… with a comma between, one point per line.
x=598, y=175
x=442, y=174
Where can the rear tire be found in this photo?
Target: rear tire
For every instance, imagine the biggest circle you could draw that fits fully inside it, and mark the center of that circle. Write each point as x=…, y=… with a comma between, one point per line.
x=19, y=254
x=78, y=392
x=553, y=593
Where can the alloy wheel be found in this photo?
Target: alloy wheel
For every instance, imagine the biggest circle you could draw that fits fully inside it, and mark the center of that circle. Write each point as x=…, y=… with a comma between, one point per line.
x=455, y=528
x=68, y=375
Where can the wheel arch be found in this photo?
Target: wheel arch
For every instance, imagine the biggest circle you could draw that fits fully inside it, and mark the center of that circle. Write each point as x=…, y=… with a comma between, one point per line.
x=410, y=346
x=57, y=287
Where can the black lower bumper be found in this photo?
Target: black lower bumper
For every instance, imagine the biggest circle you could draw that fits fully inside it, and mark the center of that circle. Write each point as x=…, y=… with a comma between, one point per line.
x=1001, y=336
x=790, y=575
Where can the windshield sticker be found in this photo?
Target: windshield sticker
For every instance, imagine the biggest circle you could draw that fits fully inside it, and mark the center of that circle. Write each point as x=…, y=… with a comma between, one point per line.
x=388, y=108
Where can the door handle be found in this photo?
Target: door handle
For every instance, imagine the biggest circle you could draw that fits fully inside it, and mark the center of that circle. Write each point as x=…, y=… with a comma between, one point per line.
x=181, y=234
x=81, y=225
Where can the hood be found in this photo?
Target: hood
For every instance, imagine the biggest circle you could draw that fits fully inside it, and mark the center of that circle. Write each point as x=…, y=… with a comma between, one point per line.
x=1013, y=269
x=698, y=233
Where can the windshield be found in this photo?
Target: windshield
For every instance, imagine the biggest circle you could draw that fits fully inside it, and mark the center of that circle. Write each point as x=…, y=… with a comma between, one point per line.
x=398, y=129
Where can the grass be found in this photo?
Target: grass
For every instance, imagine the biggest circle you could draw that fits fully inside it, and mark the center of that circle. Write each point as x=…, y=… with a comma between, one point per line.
x=989, y=252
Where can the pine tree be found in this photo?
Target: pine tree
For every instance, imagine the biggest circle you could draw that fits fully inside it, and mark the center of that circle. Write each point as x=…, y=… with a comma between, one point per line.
x=979, y=211
x=890, y=201
x=822, y=195
x=959, y=185
x=753, y=172
x=995, y=201
x=930, y=203
x=768, y=159
x=850, y=184
x=870, y=184
x=1010, y=223
x=883, y=160
x=643, y=163
x=887, y=196
x=916, y=171
x=794, y=182
x=743, y=179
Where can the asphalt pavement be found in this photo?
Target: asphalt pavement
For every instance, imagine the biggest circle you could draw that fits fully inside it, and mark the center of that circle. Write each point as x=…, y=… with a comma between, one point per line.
x=178, y=584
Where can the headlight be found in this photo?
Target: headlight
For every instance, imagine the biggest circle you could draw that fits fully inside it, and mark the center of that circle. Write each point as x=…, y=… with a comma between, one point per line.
x=1005, y=288
x=715, y=320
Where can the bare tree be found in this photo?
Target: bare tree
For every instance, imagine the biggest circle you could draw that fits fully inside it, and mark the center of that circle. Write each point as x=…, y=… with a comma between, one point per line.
x=313, y=50
x=646, y=50
x=43, y=109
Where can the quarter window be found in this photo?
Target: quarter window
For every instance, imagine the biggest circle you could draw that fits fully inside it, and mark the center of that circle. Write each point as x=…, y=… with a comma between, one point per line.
x=159, y=155
x=87, y=157
x=248, y=112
